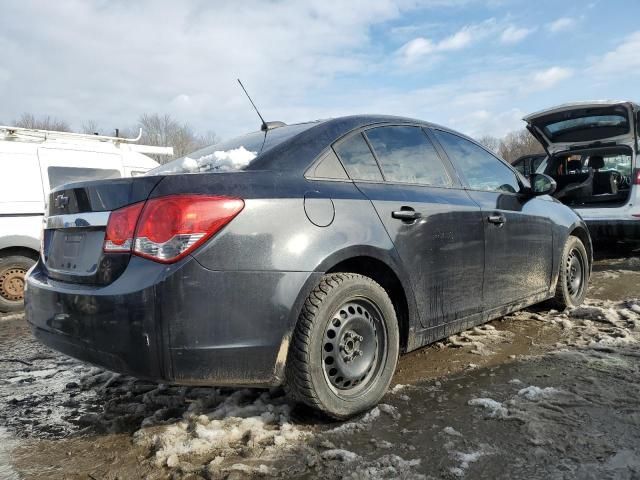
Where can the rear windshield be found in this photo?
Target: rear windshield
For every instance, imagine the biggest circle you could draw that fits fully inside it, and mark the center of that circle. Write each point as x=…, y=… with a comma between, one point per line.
x=233, y=155
x=62, y=175
x=586, y=124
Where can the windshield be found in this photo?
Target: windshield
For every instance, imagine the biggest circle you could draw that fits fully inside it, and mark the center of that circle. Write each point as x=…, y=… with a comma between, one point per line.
x=232, y=155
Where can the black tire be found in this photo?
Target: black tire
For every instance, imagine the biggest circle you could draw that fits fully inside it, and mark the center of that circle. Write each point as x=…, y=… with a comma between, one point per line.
x=345, y=346
x=13, y=269
x=573, y=277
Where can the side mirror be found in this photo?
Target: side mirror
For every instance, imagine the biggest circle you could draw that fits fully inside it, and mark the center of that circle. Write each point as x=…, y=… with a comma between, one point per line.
x=542, y=184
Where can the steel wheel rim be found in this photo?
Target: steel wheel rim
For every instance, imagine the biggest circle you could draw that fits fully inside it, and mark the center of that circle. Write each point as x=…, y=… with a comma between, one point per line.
x=354, y=347
x=575, y=273
x=12, y=284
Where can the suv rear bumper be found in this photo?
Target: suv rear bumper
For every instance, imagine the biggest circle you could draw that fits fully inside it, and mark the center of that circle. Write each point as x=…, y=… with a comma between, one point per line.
x=623, y=230
x=179, y=324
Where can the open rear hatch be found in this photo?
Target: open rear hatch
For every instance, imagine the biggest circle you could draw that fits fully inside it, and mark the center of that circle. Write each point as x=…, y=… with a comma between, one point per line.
x=578, y=125
x=76, y=223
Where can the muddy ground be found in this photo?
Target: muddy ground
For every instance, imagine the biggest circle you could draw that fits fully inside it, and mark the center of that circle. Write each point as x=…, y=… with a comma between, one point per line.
x=537, y=394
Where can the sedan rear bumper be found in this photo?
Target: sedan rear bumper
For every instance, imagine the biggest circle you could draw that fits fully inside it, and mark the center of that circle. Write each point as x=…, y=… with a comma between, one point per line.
x=181, y=324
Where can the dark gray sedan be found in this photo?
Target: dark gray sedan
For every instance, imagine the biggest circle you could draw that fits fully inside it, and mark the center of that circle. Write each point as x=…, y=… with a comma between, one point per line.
x=307, y=255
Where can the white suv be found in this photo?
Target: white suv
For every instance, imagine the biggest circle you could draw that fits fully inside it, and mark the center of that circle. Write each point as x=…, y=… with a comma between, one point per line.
x=592, y=150
x=32, y=162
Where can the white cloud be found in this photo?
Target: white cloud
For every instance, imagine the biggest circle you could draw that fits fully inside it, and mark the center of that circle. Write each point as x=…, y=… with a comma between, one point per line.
x=561, y=24
x=548, y=78
x=116, y=60
x=420, y=47
x=513, y=34
x=624, y=59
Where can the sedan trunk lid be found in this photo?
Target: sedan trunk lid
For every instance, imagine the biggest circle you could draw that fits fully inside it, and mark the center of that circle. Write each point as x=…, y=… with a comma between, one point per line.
x=75, y=225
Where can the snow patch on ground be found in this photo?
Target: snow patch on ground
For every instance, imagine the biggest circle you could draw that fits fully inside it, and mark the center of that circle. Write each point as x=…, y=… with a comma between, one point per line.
x=479, y=339
x=537, y=393
x=389, y=467
x=367, y=419
x=239, y=423
x=493, y=408
x=463, y=461
x=596, y=323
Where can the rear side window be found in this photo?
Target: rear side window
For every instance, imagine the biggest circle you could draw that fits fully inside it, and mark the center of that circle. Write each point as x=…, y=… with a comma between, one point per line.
x=482, y=170
x=329, y=167
x=358, y=159
x=407, y=155
x=61, y=175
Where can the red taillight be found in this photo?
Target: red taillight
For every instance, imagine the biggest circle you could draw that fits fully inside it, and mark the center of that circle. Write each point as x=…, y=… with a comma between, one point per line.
x=121, y=228
x=168, y=228
x=637, y=177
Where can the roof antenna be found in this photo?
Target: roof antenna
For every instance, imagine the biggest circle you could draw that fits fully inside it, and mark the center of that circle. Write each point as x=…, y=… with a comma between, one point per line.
x=264, y=126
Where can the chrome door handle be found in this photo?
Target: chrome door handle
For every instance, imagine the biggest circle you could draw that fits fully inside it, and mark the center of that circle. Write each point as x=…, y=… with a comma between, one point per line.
x=497, y=219
x=406, y=215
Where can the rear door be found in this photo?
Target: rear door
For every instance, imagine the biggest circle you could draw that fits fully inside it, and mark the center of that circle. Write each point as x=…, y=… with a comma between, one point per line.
x=436, y=228
x=518, y=233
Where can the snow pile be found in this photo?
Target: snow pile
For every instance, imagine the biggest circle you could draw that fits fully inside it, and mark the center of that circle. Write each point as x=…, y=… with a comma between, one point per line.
x=220, y=160
x=537, y=393
x=480, y=338
x=464, y=459
x=595, y=323
x=339, y=454
x=493, y=408
x=451, y=431
x=11, y=316
x=240, y=423
x=367, y=419
x=386, y=467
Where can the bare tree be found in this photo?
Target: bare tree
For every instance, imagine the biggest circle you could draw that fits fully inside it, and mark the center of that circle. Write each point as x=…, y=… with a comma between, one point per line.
x=165, y=131
x=90, y=127
x=491, y=142
x=28, y=120
x=517, y=144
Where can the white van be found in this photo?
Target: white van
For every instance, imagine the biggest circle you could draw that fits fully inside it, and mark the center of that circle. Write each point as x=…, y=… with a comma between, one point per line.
x=32, y=162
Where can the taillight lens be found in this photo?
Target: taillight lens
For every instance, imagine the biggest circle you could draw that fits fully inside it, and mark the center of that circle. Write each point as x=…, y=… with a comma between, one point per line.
x=121, y=228
x=168, y=228
x=637, y=179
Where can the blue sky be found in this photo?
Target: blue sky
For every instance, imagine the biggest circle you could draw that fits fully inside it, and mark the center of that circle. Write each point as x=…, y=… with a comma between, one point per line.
x=471, y=65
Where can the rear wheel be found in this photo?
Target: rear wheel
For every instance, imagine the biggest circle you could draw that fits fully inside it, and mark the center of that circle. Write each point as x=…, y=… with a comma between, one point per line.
x=573, y=278
x=345, y=346
x=13, y=270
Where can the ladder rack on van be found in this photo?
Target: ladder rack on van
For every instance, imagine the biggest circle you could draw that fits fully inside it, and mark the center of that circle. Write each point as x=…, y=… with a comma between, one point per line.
x=44, y=135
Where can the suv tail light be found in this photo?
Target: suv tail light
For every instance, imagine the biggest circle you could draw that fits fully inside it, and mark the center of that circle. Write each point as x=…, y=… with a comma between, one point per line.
x=636, y=180
x=166, y=229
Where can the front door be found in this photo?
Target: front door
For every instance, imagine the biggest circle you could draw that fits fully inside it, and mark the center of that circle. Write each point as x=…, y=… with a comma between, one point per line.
x=518, y=234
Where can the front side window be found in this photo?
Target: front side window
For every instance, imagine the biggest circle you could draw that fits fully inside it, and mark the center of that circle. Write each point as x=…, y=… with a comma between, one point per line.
x=407, y=155
x=482, y=170
x=358, y=159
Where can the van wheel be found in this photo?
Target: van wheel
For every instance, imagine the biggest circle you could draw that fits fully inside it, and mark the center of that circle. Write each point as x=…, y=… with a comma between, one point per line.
x=345, y=346
x=13, y=270
x=573, y=278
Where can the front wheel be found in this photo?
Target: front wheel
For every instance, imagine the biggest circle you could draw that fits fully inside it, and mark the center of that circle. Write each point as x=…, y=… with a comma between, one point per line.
x=345, y=346
x=573, y=277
